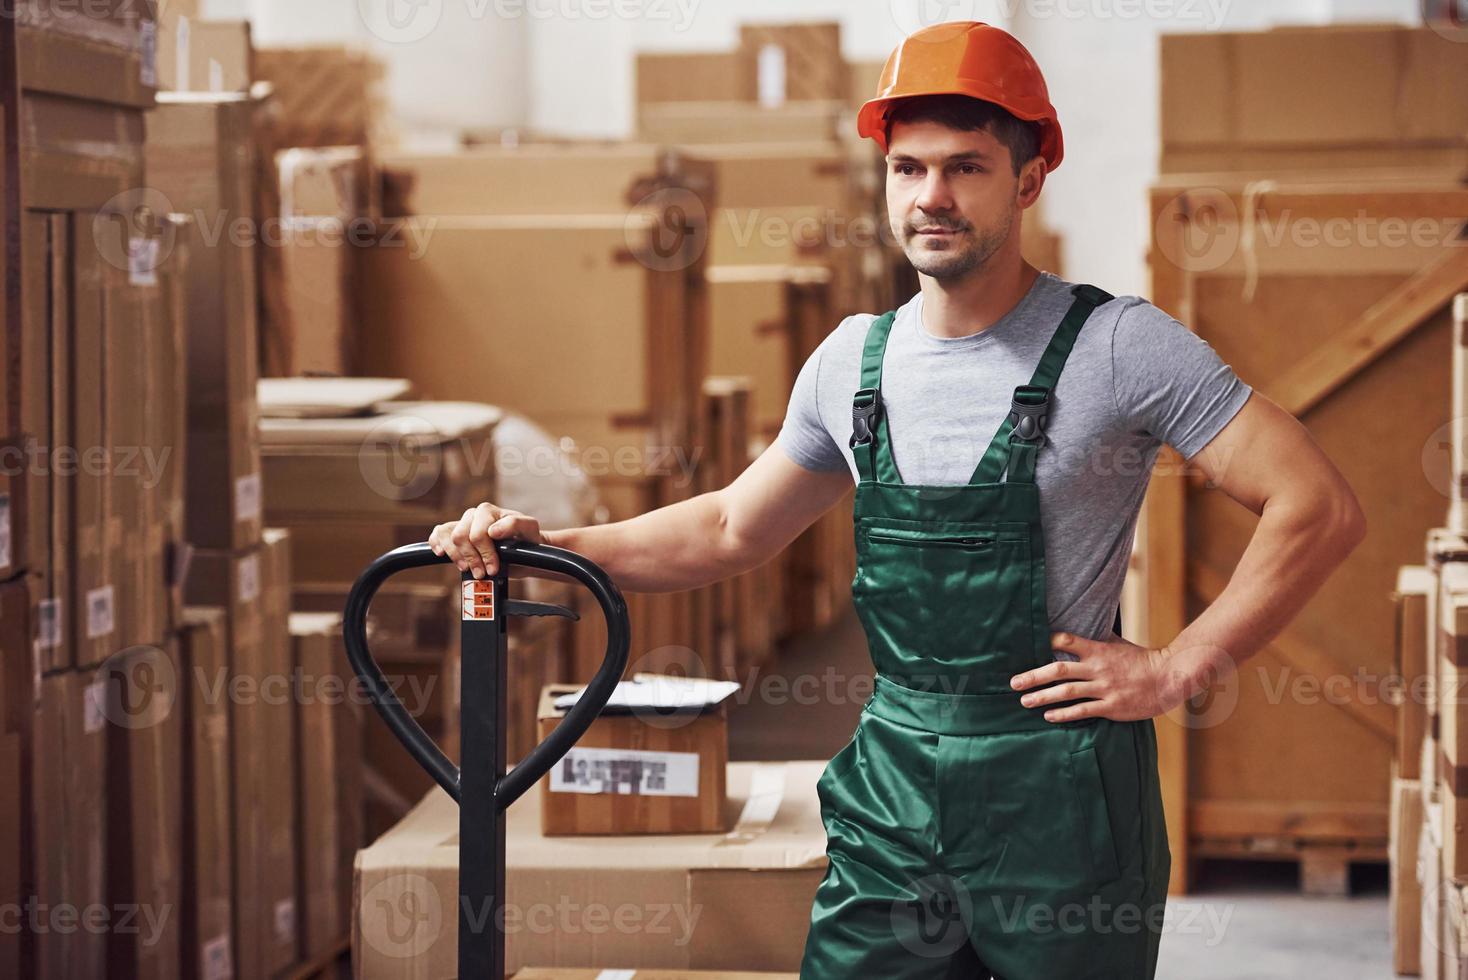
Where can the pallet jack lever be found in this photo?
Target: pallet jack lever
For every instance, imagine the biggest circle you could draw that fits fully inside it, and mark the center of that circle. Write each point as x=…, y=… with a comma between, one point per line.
x=525, y=607
x=480, y=784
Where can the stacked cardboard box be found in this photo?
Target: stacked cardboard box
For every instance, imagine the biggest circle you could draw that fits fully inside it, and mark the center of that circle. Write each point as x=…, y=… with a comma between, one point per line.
x=328, y=780
x=735, y=901
x=629, y=342
x=200, y=158
x=252, y=585
x=207, y=906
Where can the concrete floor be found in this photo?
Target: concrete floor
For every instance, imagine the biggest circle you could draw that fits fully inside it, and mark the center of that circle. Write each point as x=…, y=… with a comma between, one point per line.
x=1244, y=921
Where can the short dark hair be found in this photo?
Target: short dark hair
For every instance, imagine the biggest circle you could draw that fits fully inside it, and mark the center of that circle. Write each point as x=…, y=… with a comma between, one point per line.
x=966, y=113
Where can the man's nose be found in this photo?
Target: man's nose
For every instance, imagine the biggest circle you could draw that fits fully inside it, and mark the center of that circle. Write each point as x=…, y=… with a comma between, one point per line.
x=934, y=197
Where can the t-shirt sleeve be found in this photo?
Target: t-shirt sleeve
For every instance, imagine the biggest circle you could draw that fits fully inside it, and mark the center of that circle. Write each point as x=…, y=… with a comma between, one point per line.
x=1169, y=382
x=804, y=435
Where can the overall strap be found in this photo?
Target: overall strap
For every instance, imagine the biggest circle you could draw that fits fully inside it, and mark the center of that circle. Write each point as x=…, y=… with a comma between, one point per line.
x=869, y=442
x=1022, y=432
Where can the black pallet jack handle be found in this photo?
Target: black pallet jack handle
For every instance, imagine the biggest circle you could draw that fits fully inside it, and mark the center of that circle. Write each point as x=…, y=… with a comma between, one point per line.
x=481, y=786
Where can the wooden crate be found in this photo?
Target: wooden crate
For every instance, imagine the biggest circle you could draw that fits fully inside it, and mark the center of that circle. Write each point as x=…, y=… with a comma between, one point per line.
x=1331, y=333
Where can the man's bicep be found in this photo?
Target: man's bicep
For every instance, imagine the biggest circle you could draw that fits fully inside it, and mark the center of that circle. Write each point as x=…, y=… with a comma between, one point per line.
x=775, y=498
x=1260, y=451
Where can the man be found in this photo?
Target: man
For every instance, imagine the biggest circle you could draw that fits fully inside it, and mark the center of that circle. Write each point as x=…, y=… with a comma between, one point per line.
x=997, y=811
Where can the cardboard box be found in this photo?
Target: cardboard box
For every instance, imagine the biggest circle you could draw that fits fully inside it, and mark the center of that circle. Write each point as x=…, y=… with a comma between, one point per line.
x=279, y=937
x=407, y=622
x=236, y=583
x=1430, y=880
x=543, y=178
x=622, y=351
x=793, y=62
x=145, y=809
x=648, y=772
x=207, y=910
x=17, y=655
x=683, y=123
x=1414, y=582
x=14, y=861
x=1379, y=96
x=168, y=409
x=328, y=724
x=755, y=331
x=308, y=282
x=45, y=357
x=197, y=55
x=70, y=811
x=1452, y=627
x=539, y=973
x=324, y=96
x=751, y=888
x=1405, y=892
x=96, y=52
x=201, y=159
x=693, y=76
x=412, y=464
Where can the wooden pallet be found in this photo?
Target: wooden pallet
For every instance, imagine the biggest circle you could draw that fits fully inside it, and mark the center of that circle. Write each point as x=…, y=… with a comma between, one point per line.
x=1325, y=867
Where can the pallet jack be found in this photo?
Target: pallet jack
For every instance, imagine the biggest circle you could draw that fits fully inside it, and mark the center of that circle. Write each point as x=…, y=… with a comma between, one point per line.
x=480, y=784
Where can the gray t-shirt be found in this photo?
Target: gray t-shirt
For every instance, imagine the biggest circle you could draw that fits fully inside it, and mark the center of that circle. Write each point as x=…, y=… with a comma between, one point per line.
x=1135, y=379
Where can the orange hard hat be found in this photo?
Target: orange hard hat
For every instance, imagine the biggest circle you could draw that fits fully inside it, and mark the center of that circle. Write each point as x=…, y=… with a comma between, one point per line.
x=965, y=58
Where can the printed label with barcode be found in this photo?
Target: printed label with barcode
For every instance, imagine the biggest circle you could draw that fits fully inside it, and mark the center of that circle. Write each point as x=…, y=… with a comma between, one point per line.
x=215, y=959
x=249, y=571
x=93, y=702
x=142, y=261
x=247, y=498
x=5, y=531
x=99, y=611
x=48, y=624
x=181, y=55
x=285, y=920
x=148, y=69
x=631, y=772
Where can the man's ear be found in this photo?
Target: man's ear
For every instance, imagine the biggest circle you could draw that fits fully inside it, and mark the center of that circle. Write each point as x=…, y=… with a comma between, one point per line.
x=1031, y=182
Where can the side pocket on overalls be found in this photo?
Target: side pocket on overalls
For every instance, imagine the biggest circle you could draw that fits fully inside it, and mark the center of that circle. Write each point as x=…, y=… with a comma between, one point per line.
x=1085, y=771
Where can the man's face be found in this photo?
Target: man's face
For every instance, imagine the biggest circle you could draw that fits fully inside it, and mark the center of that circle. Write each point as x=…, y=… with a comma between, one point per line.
x=952, y=196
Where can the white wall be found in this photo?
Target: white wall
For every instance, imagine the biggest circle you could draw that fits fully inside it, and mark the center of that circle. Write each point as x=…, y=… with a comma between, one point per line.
x=566, y=66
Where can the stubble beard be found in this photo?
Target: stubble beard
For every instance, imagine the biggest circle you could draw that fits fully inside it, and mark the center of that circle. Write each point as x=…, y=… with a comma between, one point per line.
x=966, y=252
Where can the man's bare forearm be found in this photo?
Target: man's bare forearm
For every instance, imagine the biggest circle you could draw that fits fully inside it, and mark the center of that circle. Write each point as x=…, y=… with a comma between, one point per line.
x=684, y=545
x=1295, y=547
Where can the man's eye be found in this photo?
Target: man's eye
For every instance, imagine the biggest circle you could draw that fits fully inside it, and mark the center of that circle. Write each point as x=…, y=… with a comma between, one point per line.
x=969, y=168
x=906, y=169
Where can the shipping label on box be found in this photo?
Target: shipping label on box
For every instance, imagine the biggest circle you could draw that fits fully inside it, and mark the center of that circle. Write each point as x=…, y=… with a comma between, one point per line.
x=627, y=771
x=216, y=963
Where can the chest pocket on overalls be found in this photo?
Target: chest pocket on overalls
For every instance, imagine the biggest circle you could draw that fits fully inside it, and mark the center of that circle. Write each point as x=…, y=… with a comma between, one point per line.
x=952, y=589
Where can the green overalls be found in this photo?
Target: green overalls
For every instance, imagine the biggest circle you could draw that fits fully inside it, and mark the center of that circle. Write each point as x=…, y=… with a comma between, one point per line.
x=967, y=835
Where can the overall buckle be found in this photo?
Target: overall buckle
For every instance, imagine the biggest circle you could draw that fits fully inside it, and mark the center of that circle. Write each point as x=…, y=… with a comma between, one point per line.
x=864, y=407
x=1030, y=414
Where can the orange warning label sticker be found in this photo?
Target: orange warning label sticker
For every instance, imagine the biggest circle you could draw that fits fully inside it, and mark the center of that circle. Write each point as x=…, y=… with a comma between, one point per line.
x=478, y=599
